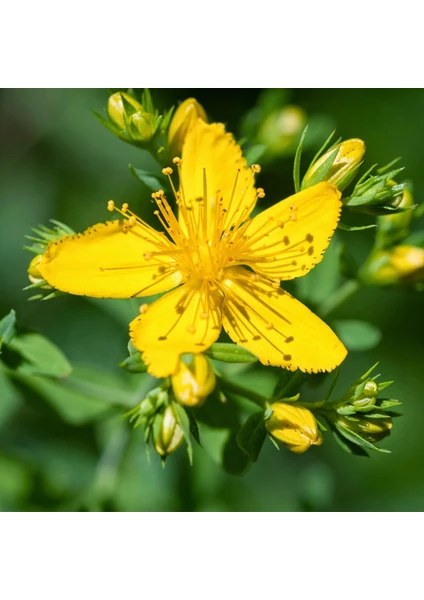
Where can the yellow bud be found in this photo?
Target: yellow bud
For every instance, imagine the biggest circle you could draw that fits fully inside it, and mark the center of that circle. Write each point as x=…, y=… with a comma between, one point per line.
x=33, y=271
x=350, y=154
x=281, y=129
x=295, y=426
x=370, y=429
x=141, y=126
x=402, y=264
x=115, y=107
x=184, y=118
x=169, y=435
x=192, y=384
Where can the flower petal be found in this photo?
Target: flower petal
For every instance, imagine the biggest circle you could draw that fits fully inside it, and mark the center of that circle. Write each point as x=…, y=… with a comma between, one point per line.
x=187, y=319
x=276, y=327
x=106, y=262
x=288, y=239
x=209, y=149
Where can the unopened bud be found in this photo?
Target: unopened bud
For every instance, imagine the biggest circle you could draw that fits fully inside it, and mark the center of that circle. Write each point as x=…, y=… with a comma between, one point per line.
x=34, y=274
x=115, y=107
x=402, y=264
x=167, y=434
x=294, y=426
x=394, y=228
x=371, y=429
x=343, y=168
x=141, y=126
x=192, y=384
x=183, y=120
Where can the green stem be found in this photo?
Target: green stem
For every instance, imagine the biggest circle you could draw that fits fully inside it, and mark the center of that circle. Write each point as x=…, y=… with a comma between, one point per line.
x=236, y=389
x=338, y=297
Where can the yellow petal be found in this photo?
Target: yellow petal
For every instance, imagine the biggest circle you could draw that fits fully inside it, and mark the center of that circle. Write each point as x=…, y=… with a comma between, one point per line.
x=106, y=262
x=277, y=328
x=288, y=239
x=187, y=319
x=208, y=148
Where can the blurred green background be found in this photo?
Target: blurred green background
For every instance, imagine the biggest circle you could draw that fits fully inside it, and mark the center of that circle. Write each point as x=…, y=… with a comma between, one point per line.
x=57, y=454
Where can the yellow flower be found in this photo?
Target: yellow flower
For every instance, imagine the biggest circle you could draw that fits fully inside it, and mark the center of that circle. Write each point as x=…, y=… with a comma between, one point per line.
x=349, y=155
x=204, y=255
x=184, y=119
x=295, y=426
x=192, y=384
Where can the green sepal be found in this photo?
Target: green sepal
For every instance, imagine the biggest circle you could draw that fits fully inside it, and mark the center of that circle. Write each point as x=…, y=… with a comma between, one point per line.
x=321, y=173
x=184, y=422
x=230, y=353
x=251, y=435
x=7, y=328
x=147, y=102
x=273, y=441
x=348, y=446
x=345, y=227
x=297, y=159
x=134, y=363
x=109, y=125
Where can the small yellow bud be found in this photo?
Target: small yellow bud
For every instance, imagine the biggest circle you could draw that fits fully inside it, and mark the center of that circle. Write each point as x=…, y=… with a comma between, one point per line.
x=402, y=264
x=169, y=435
x=34, y=274
x=192, y=384
x=372, y=430
x=141, y=126
x=115, y=107
x=281, y=129
x=295, y=426
x=184, y=118
x=350, y=154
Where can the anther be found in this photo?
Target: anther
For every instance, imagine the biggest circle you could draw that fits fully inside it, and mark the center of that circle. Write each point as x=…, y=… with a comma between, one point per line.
x=191, y=329
x=256, y=168
x=167, y=171
x=131, y=221
x=111, y=205
x=124, y=207
x=147, y=255
x=293, y=217
x=142, y=309
x=204, y=315
x=309, y=238
x=177, y=160
x=269, y=326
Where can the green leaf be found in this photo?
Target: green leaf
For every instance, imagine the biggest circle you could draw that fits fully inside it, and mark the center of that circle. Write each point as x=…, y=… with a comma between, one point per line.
x=357, y=335
x=388, y=403
x=151, y=181
x=230, y=353
x=288, y=383
x=252, y=435
x=134, y=363
x=321, y=173
x=184, y=422
x=355, y=227
x=297, y=159
x=7, y=328
x=254, y=153
x=40, y=356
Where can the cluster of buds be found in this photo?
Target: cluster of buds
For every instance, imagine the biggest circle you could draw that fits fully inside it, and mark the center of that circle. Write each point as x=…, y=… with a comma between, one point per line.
x=138, y=123
x=161, y=425
x=42, y=238
x=360, y=418
x=294, y=425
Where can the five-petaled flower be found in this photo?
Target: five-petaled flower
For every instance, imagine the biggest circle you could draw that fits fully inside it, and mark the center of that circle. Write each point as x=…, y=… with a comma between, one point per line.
x=223, y=267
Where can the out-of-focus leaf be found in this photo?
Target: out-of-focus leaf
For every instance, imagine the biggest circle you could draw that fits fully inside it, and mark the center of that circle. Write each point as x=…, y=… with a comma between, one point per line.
x=252, y=435
x=254, y=153
x=217, y=414
x=40, y=356
x=10, y=399
x=230, y=353
x=7, y=328
x=347, y=264
x=288, y=383
x=184, y=422
x=234, y=460
x=151, y=181
x=357, y=335
x=355, y=227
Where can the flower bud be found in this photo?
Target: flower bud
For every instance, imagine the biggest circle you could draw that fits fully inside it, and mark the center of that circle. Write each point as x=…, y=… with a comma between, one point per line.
x=282, y=128
x=141, y=126
x=401, y=264
x=192, y=384
x=184, y=118
x=167, y=434
x=115, y=108
x=394, y=228
x=34, y=274
x=294, y=426
x=372, y=430
x=341, y=172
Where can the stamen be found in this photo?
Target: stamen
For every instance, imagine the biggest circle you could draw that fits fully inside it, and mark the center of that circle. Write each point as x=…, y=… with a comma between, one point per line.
x=111, y=205
x=256, y=168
